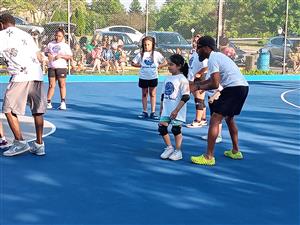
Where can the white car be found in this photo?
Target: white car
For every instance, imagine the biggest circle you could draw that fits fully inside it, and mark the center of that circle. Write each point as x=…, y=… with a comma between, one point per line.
x=134, y=34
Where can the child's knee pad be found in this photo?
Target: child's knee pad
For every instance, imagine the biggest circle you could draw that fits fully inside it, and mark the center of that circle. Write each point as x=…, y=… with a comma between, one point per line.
x=163, y=130
x=199, y=103
x=176, y=130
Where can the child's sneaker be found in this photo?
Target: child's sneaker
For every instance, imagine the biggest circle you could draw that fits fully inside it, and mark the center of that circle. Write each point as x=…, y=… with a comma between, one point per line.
x=194, y=124
x=143, y=115
x=37, y=149
x=203, y=122
x=154, y=116
x=63, y=106
x=49, y=105
x=232, y=155
x=3, y=143
x=167, y=152
x=17, y=148
x=218, y=140
x=176, y=155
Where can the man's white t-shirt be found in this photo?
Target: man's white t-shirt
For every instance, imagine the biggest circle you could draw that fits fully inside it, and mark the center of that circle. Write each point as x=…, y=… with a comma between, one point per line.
x=58, y=48
x=20, y=51
x=174, y=88
x=231, y=75
x=149, y=65
x=195, y=66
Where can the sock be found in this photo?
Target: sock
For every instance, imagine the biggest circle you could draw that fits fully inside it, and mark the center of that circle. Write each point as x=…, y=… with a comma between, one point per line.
x=48, y=101
x=3, y=138
x=63, y=100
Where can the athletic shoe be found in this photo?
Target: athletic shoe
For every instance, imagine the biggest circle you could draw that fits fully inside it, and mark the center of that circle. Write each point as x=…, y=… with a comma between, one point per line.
x=17, y=148
x=176, y=155
x=38, y=149
x=49, y=105
x=143, y=115
x=218, y=140
x=167, y=152
x=203, y=122
x=3, y=144
x=201, y=160
x=232, y=155
x=194, y=124
x=63, y=106
x=154, y=116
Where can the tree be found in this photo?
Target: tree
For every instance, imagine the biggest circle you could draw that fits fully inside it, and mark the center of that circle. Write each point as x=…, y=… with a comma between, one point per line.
x=135, y=7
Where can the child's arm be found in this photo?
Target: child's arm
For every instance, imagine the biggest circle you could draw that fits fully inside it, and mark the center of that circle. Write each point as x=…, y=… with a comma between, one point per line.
x=161, y=104
x=135, y=64
x=184, y=99
x=163, y=64
x=201, y=72
x=215, y=96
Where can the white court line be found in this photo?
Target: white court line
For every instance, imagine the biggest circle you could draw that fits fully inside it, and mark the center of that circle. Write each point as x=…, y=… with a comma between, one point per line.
x=286, y=101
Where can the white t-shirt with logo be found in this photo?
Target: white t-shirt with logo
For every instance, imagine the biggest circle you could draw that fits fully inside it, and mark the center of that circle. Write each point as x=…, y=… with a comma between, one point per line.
x=174, y=88
x=61, y=48
x=195, y=66
x=20, y=51
x=149, y=65
x=231, y=75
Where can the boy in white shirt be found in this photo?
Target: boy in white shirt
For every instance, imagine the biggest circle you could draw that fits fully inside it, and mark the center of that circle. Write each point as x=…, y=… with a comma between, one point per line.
x=25, y=86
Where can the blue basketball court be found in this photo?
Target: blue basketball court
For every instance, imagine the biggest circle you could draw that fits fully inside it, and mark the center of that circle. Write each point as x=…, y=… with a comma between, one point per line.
x=103, y=167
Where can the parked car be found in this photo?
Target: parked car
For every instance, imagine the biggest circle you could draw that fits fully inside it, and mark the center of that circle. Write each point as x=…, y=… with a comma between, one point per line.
x=134, y=34
x=129, y=47
x=24, y=25
x=240, y=56
x=51, y=28
x=169, y=43
x=275, y=46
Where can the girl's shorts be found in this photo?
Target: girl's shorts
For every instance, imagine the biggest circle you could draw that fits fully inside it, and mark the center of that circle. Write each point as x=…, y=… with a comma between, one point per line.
x=167, y=119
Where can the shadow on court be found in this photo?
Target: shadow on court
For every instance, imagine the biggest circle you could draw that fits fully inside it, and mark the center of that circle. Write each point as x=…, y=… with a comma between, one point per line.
x=102, y=166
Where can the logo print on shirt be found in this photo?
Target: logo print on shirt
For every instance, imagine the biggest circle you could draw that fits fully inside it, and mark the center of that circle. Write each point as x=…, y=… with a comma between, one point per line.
x=191, y=61
x=148, y=61
x=56, y=49
x=9, y=32
x=24, y=42
x=169, y=88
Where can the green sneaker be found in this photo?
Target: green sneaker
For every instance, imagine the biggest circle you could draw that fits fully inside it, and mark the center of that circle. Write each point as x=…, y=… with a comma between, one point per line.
x=201, y=160
x=232, y=155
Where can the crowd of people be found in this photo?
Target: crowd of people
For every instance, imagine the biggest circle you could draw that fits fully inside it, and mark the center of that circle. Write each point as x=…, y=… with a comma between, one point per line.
x=207, y=71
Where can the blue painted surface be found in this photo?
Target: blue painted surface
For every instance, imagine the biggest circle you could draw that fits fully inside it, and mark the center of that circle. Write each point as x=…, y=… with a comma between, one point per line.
x=134, y=78
x=102, y=165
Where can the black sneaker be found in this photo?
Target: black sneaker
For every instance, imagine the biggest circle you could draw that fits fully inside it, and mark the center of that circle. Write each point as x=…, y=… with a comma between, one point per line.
x=143, y=115
x=154, y=116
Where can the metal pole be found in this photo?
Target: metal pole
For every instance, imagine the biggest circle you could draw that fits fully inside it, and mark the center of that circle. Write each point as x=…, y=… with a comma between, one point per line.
x=285, y=36
x=147, y=17
x=220, y=21
x=69, y=31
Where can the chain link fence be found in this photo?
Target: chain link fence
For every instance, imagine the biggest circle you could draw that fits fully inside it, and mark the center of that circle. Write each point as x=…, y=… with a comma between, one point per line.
x=115, y=27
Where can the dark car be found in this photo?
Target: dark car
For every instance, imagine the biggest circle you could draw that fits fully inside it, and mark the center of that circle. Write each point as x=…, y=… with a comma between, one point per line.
x=275, y=46
x=129, y=47
x=240, y=54
x=169, y=43
x=51, y=28
x=24, y=25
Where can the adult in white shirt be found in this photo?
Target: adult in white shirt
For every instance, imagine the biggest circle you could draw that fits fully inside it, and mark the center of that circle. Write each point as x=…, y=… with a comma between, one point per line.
x=223, y=71
x=25, y=86
x=58, y=53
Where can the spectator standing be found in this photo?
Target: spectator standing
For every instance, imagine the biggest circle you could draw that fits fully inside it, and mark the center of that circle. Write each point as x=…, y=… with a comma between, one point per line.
x=58, y=53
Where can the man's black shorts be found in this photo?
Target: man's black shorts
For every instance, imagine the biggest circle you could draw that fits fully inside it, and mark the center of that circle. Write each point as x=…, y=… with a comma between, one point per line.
x=148, y=83
x=58, y=73
x=231, y=101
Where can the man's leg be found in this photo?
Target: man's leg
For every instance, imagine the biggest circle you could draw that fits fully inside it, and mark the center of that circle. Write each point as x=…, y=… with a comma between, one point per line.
x=213, y=132
x=39, y=126
x=14, y=125
x=233, y=130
